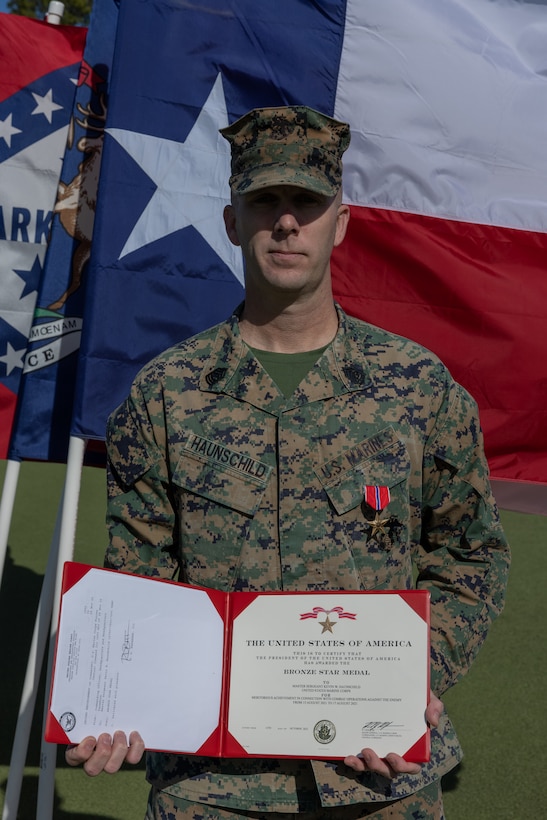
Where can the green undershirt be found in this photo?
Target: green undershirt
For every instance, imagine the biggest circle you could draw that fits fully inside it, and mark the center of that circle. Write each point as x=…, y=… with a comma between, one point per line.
x=287, y=369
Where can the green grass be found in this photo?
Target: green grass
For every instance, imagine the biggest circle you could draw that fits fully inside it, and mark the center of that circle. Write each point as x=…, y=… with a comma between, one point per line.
x=120, y=797
x=498, y=709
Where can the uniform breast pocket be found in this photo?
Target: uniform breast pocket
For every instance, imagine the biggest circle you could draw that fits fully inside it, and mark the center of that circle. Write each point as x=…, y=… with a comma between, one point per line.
x=218, y=493
x=369, y=500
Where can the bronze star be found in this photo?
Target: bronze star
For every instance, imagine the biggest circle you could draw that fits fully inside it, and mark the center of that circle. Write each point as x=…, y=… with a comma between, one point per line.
x=378, y=525
x=327, y=625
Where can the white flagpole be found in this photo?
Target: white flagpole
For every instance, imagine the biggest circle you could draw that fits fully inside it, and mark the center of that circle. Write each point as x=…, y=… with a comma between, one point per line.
x=32, y=678
x=9, y=490
x=46, y=621
x=55, y=12
x=71, y=494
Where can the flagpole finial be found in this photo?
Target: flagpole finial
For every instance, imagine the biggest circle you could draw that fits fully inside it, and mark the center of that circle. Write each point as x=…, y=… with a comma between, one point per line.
x=55, y=12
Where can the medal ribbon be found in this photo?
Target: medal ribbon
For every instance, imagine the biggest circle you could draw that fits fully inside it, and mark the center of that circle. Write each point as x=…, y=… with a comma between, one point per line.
x=377, y=497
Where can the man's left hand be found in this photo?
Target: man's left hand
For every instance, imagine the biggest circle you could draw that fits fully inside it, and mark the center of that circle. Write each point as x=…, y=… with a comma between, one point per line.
x=392, y=765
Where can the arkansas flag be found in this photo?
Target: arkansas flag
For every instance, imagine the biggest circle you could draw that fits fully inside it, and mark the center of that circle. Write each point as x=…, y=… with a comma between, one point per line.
x=446, y=175
x=44, y=407
x=40, y=64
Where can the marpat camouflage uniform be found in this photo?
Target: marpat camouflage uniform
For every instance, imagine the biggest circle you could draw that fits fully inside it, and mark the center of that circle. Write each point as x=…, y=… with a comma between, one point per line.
x=287, y=146
x=217, y=479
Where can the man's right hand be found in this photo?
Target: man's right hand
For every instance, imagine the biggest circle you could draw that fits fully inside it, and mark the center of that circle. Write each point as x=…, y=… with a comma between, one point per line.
x=105, y=753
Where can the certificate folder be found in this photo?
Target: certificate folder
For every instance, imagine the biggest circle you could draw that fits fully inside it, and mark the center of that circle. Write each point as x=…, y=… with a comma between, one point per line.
x=240, y=674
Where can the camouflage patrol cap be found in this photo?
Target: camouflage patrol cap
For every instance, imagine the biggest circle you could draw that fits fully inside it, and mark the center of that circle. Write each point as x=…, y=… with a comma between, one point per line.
x=292, y=145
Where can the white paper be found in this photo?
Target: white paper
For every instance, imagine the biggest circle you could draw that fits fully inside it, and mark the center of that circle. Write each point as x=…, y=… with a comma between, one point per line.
x=138, y=655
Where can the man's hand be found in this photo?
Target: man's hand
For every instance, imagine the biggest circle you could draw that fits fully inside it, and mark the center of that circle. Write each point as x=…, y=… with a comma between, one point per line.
x=105, y=753
x=392, y=765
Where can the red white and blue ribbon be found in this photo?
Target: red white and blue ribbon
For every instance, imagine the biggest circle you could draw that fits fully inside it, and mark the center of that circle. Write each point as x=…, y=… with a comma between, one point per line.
x=377, y=497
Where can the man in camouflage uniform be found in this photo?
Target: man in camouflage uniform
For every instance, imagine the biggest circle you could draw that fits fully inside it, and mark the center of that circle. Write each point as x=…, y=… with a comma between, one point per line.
x=243, y=460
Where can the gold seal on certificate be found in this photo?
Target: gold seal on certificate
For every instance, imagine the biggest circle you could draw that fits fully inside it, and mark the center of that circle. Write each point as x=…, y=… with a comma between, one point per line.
x=288, y=674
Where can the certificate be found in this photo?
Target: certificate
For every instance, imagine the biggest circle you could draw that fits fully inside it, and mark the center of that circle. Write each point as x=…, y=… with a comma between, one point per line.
x=274, y=674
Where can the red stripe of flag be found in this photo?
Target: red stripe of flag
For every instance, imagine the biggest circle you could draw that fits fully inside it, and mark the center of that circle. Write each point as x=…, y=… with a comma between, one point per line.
x=31, y=48
x=474, y=294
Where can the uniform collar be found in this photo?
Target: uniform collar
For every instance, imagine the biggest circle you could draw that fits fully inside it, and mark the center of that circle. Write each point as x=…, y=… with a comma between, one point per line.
x=233, y=370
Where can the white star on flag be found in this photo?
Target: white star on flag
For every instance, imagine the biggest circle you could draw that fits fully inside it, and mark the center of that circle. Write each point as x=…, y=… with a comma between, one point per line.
x=7, y=130
x=13, y=358
x=45, y=105
x=191, y=179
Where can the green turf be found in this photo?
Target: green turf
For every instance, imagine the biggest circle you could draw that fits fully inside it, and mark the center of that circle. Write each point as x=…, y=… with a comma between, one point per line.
x=499, y=708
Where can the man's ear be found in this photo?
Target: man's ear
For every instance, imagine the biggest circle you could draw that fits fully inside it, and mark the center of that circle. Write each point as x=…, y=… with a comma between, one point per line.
x=342, y=221
x=230, y=224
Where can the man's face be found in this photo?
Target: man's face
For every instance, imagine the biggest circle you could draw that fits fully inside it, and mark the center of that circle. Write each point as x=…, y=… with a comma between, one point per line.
x=287, y=235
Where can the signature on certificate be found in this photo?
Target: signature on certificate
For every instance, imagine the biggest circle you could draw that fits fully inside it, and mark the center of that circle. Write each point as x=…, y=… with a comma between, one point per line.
x=127, y=644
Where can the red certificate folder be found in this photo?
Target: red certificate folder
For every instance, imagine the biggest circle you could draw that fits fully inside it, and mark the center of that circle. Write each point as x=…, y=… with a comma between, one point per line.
x=272, y=674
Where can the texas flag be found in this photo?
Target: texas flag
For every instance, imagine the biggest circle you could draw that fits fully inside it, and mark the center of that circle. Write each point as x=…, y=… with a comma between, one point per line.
x=40, y=65
x=446, y=176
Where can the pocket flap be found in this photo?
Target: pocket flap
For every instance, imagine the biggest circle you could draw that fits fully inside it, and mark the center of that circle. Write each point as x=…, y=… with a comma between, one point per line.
x=344, y=479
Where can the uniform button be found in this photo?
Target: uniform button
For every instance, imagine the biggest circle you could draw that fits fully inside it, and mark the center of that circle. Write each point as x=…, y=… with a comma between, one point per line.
x=215, y=375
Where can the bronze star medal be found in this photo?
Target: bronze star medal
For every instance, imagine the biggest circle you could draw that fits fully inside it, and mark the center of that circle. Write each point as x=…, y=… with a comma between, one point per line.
x=327, y=625
x=378, y=525
x=377, y=497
